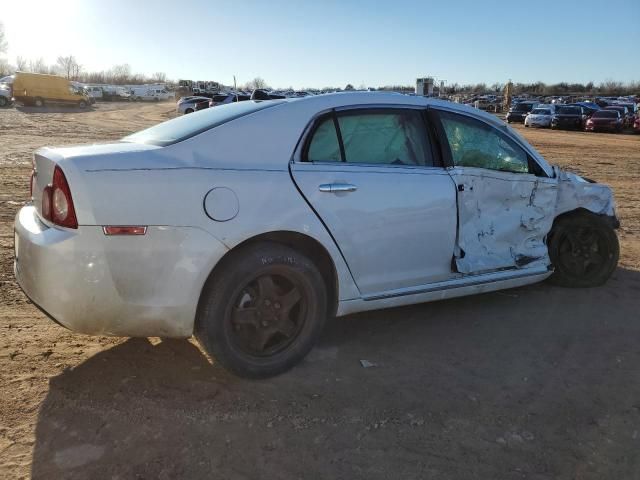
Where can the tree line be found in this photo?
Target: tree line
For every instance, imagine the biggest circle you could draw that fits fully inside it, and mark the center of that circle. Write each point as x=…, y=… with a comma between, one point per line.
x=70, y=68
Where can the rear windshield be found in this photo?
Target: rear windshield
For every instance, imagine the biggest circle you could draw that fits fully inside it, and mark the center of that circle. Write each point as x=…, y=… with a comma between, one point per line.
x=181, y=128
x=541, y=111
x=569, y=110
x=606, y=114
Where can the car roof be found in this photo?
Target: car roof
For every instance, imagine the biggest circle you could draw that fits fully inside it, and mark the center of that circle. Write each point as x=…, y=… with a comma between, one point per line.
x=384, y=99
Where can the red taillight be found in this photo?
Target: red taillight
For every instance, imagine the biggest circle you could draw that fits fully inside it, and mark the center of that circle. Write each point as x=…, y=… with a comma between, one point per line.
x=46, y=203
x=57, y=204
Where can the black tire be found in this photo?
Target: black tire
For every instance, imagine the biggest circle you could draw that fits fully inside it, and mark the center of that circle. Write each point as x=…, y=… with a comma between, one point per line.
x=38, y=102
x=188, y=110
x=156, y=99
x=584, y=250
x=82, y=104
x=254, y=326
x=3, y=101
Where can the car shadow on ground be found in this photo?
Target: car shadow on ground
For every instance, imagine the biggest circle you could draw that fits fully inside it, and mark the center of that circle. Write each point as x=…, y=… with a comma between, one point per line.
x=537, y=379
x=54, y=109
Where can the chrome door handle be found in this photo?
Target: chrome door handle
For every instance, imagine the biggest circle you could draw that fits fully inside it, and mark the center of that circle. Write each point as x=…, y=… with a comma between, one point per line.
x=337, y=187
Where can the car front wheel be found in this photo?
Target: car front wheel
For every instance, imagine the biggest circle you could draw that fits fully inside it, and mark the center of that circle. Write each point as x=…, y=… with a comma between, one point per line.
x=584, y=250
x=262, y=311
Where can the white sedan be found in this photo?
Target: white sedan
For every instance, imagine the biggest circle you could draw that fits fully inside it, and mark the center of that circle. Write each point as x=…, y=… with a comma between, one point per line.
x=251, y=223
x=539, y=117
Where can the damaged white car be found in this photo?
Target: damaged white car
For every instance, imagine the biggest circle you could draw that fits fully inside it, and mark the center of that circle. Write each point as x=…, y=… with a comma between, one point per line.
x=249, y=224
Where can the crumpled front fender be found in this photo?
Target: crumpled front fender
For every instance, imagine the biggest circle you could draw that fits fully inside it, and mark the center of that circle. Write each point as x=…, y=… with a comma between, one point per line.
x=575, y=192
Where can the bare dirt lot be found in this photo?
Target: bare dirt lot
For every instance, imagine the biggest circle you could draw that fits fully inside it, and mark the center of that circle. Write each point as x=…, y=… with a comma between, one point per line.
x=533, y=383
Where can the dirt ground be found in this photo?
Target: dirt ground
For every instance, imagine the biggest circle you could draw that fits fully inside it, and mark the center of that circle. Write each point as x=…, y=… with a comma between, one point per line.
x=533, y=383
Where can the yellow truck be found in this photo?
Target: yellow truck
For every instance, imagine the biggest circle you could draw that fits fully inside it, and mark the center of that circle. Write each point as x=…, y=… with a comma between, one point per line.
x=39, y=89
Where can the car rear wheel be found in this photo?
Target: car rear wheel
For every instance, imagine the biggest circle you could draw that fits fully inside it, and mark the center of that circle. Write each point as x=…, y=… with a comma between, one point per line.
x=188, y=110
x=38, y=102
x=584, y=251
x=3, y=101
x=82, y=104
x=262, y=311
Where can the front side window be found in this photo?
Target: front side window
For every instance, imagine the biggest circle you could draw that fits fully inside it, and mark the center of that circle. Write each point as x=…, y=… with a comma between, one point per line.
x=374, y=137
x=476, y=144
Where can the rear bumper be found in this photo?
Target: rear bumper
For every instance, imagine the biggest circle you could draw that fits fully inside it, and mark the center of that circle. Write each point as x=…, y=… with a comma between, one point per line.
x=146, y=285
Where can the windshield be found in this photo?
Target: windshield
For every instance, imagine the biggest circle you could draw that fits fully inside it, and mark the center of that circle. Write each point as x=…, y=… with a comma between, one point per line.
x=541, y=111
x=181, y=128
x=569, y=111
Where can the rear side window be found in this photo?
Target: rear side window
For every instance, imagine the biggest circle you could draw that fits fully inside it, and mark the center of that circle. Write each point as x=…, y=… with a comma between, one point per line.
x=475, y=144
x=324, y=145
x=374, y=137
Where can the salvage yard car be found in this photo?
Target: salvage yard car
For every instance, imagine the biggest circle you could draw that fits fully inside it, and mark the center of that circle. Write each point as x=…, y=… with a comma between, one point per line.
x=607, y=120
x=519, y=111
x=5, y=95
x=250, y=224
x=568, y=116
x=540, y=116
x=186, y=105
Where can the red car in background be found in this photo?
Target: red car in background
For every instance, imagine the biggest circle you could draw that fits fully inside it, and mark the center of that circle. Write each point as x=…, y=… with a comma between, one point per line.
x=606, y=119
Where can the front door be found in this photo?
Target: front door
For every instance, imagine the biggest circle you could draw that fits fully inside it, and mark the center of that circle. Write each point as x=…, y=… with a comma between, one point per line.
x=505, y=201
x=371, y=177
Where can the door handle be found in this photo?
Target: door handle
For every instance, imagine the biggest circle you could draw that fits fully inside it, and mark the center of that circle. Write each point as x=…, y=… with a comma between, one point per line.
x=337, y=187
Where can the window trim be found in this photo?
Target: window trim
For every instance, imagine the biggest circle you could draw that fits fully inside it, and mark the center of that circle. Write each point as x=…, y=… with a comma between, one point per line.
x=315, y=123
x=534, y=168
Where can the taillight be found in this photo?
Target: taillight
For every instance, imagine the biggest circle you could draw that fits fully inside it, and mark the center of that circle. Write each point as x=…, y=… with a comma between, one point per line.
x=57, y=204
x=46, y=203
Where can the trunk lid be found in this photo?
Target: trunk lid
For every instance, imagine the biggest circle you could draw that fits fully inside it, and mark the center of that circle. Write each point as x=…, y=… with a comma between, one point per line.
x=73, y=160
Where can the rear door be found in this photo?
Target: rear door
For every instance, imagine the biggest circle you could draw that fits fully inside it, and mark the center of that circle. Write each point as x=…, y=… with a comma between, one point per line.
x=372, y=177
x=506, y=202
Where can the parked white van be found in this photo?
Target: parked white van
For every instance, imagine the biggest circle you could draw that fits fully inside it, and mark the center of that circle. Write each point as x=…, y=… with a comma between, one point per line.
x=150, y=93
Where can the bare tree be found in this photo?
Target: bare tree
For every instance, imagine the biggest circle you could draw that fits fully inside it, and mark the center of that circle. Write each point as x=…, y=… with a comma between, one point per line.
x=68, y=66
x=5, y=68
x=3, y=39
x=120, y=73
x=21, y=64
x=257, y=83
x=159, y=77
x=38, y=66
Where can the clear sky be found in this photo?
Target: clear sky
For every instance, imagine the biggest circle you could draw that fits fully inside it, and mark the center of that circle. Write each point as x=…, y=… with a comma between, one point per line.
x=332, y=43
